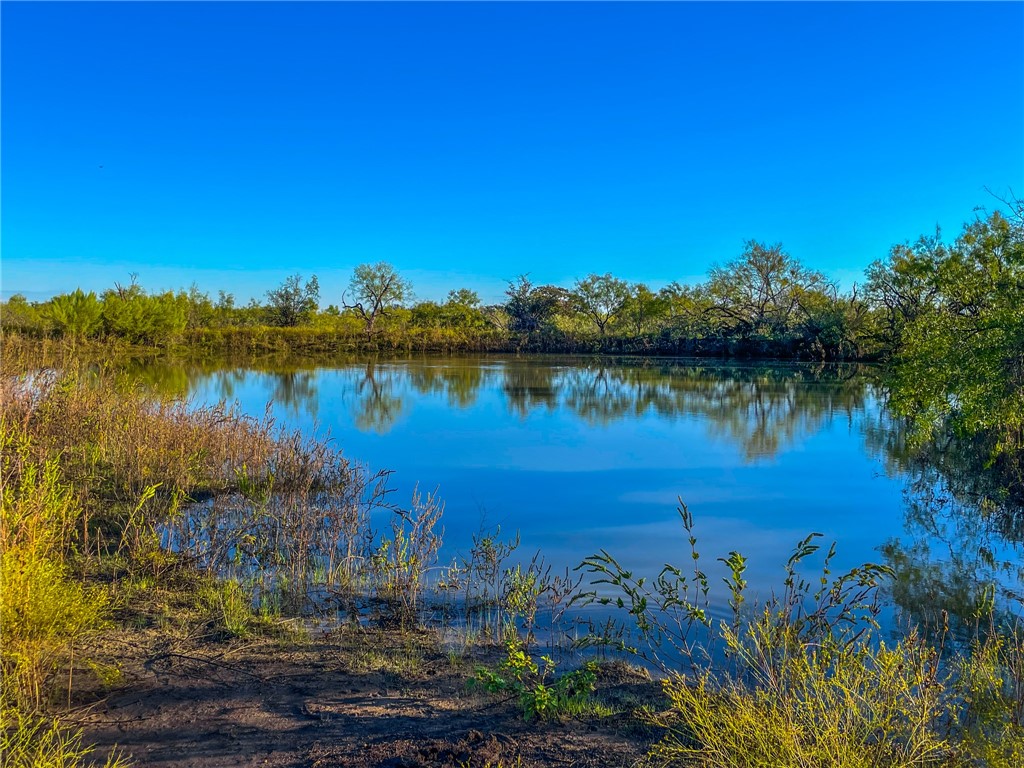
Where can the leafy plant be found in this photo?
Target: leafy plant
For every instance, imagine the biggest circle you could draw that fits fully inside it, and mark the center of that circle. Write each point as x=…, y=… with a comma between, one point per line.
x=810, y=681
x=540, y=694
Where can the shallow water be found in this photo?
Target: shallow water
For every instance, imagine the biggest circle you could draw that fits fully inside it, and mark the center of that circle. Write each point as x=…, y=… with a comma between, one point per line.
x=581, y=455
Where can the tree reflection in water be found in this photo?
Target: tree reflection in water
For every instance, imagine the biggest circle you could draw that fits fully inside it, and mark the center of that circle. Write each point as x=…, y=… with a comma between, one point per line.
x=964, y=520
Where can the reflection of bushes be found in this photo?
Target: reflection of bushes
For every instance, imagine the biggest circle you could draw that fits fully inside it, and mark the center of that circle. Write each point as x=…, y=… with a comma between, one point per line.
x=761, y=408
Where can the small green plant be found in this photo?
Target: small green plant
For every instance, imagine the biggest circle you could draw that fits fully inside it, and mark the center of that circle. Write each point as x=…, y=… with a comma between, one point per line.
x=541, y=695
x=230, y=607
x=401, y=562
x=27, y=741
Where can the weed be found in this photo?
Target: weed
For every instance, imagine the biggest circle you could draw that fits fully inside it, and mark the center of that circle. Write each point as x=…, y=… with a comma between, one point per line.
x=541, y=695
x=402, y=560
x=43, y=610
x=230, y=607
x=27, y=741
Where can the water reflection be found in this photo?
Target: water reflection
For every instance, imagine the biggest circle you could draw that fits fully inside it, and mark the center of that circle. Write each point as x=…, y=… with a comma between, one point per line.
x=582, y=454
x=760, y=408
x=963, y=548
x=376, y=404
x=458, y=383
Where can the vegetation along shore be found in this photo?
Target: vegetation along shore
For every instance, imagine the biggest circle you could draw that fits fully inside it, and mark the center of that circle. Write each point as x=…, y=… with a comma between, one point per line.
x=764, y=303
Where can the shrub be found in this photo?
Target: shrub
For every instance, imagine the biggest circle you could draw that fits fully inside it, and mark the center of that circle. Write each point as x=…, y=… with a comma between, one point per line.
x=43, y=610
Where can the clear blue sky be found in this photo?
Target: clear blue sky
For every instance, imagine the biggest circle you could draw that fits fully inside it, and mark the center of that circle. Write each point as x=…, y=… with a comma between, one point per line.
x=233, y=144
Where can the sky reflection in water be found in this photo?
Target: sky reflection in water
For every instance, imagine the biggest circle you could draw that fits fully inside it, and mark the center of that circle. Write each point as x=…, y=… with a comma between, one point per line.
x=581, y=455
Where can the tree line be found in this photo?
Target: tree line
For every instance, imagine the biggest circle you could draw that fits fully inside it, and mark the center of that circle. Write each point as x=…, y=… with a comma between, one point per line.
x=763, y=303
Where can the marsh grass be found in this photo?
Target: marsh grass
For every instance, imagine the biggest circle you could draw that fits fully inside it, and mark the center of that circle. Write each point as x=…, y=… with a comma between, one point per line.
x=117, y=504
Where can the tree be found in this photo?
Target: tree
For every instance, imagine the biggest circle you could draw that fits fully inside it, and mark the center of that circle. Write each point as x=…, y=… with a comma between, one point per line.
x=688, y=308
x=530, y=308
x=834, y=326
x=464, y=297
x=17, y=313
x=462, y=310
x=760, y=293
x=132, y=314
x=961, y=362
x=292, y=303
x=201, y=311
x=76, y=314
x=376, y=289
x=643, y=308
x=903, y=287
x=601, y=298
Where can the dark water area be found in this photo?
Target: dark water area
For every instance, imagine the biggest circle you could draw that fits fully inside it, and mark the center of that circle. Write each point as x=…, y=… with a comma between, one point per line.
x=579, y=455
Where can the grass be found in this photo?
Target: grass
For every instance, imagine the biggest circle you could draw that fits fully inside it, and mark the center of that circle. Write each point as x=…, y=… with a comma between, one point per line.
x=28, y=741
x=99, y=523
x=44, y=610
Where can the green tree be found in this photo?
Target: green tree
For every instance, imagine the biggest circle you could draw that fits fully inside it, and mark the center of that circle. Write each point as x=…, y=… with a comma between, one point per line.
x=688, y=308
x=644, y=309
x=601, y=298
x=463, y=297
x=76, y=314
x=377, y=290
x=760, y=293
x=293, y=303
x=462, y=310
x=224, y=311
x=904, y=286
x=961, y=363
x=201, y=310
x=18, y=314
x=834, y=326
x=128, y=312
x=532, y=308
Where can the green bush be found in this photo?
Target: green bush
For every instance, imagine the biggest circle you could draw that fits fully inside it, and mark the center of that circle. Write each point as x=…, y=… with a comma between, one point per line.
x=541, y=695
x=43, y=610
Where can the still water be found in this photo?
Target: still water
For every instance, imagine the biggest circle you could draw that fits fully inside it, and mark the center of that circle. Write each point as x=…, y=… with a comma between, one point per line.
x=580, y=455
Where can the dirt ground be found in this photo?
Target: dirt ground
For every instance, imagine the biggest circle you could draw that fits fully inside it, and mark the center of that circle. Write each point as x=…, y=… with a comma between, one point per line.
x=360, y=698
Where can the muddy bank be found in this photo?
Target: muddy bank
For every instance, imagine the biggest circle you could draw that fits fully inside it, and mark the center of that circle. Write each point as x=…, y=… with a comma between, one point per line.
x=350, y=698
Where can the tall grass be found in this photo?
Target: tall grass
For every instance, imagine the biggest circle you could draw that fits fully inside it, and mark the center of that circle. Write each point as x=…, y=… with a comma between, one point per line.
x=44, y=610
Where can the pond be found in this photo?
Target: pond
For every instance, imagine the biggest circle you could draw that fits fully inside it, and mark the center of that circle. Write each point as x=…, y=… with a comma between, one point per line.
x=579, y=455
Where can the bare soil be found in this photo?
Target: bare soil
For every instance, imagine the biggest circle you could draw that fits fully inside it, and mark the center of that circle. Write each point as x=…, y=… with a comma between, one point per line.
x=353, y=697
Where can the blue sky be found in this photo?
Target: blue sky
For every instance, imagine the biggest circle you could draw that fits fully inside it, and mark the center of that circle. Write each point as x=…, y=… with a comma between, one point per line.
x=233, y=144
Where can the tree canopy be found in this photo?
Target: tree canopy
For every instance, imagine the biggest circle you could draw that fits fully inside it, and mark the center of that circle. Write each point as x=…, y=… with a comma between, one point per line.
x=601, y=298
x=376, y=289
x=292, y=303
